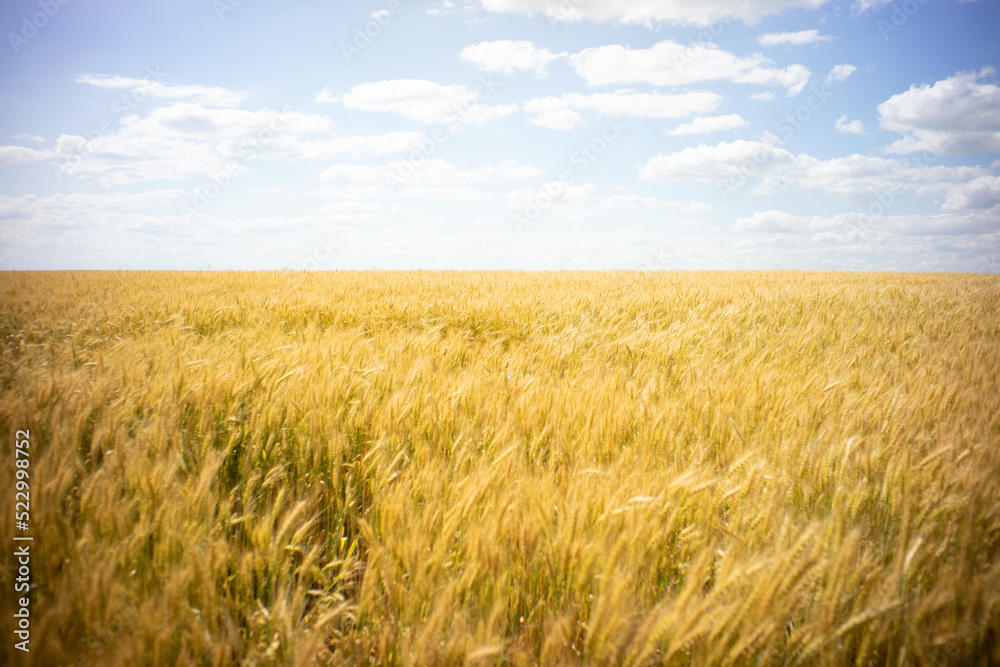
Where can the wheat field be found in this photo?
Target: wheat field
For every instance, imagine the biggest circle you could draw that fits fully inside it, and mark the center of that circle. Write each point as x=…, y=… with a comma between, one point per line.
x=422, y=468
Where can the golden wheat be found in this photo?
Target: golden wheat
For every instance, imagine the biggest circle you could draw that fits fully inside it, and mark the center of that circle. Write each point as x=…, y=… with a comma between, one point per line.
x=449, y=468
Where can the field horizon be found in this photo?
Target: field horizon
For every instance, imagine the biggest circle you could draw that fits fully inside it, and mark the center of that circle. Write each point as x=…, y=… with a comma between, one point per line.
x=504, y=467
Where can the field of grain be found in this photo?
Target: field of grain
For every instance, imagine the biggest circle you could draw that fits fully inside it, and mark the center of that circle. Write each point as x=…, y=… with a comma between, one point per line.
x=705, y=468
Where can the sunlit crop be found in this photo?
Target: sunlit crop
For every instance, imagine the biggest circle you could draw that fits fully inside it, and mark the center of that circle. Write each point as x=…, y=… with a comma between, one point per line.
x=532, y=468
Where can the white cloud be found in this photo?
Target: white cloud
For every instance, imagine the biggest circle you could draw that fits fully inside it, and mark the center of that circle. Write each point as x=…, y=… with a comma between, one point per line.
x=445, y=7
x=570, y=203
x=979, y=193
x=326, y=96
x=347, y=207
x=506, y=56
x=562, y=113
x=840, y=73
x=853, y=127
x=854, y=179
x=777, y=221
x=630, y=202
x=432, y=172
x=444, y=193
x=388, y=143
x=633, y=202
x=709, y=124
x=186, y=120
x=119, y=159
x=866, y=5
x=859, y=179
x=957, y=115
x=206, y=95
x=442, y=7
x=19, y=154
x=856, y=227
x=713, y=163
x=553, y=114
x=669, y=63
x=29, y=137
x=647, y=12
x=186, y=139
x=422, y=101
x=763, y=96
x=793, y=38
x=85, y=204
x=242, y=133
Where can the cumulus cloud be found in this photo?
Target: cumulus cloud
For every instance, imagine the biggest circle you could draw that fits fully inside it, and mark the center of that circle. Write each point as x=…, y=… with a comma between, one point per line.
x=709, y=125
x=186, y=139
x=423, y=101
x=446, y=7
x=553, y=199
x=505, y=55
x=89, y=204
x=119, y=159
x=793, y=38
x=669, y=63
x=857, y=179
x=862, y=6
x=205, y=95
x=854, y=179
x=431, y=172
x=777, y=221
x=840, y=73
x=563, y=113
x=648, y=12
x=858, y=227
x=714, y=163
x=19, y=154
x=634, y=202
x=429, y=180
x=444, y=193
x=852, y=127
x=957, y=115
x=979, y=193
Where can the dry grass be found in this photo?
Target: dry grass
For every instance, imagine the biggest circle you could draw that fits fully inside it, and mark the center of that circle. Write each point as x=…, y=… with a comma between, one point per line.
x=560, y=468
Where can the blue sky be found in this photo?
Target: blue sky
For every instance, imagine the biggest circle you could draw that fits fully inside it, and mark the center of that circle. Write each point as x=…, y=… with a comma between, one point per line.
x=495, y=134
